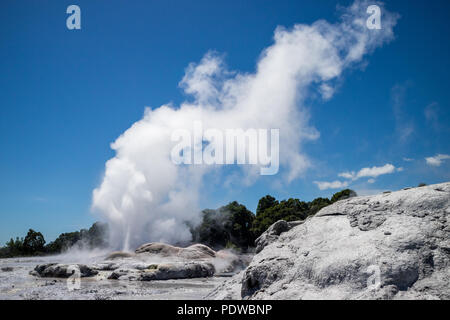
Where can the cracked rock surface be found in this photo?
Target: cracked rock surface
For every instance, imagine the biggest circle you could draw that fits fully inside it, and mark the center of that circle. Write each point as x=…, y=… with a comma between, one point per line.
x=389, y=246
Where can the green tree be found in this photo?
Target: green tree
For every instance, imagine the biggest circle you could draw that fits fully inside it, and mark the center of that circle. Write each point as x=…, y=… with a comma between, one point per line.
x=97, y=235
x=33, y=243
x=288, y=210
x=317, y=204
x=227, y=226
x=265, y=203
x=239, y=224
x=63, y=242
x=14, y=247
x=344, y=194
x=94, y=237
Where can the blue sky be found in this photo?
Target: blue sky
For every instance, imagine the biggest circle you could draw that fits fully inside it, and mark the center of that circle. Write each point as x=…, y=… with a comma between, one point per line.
x=66, y=95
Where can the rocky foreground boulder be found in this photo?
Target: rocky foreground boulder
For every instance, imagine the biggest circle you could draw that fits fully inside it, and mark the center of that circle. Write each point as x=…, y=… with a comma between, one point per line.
x=57, y=270
x=165, y=271
x=389, y=246
x=274, y=231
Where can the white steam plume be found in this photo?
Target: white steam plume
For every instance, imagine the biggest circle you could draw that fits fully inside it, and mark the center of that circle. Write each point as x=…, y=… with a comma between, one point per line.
x=145, y=197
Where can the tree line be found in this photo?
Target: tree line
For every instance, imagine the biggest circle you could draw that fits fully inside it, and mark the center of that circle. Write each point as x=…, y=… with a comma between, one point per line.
x=34, y=243
x=230, y=226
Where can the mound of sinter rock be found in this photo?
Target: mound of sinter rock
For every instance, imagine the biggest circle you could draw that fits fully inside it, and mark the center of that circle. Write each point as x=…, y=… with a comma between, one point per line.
x=388, y=246
x=152, y=261
x=176, y=263
x=59, y=270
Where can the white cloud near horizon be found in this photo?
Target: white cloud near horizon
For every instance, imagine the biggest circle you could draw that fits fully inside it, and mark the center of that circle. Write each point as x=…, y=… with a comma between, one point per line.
x=324, y=185
x=372, y=172
x=146, y=197
x=369, y=172
x=347, y=175
x=437, y=160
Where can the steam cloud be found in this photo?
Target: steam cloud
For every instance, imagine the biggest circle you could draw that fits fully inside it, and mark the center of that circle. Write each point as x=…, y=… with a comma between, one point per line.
x=146, y=197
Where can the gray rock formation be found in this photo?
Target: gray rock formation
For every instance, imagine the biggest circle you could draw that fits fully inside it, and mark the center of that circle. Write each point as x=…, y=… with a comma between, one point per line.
x=153, y=261
x=159, y=261
x=179, y=271
x=165, y=271
x=228, y=262
x=162, y=249
x=274, y=231
x=194, y=252
x=389, y=246
x=55, y=270
x=119, y=255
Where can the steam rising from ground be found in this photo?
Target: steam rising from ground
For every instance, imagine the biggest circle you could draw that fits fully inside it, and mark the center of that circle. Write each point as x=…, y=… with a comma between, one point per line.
x=75, y=255
x=146, y=197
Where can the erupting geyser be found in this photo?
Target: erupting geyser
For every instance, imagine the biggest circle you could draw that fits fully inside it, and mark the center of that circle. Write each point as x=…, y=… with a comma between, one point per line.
x=144, y=196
